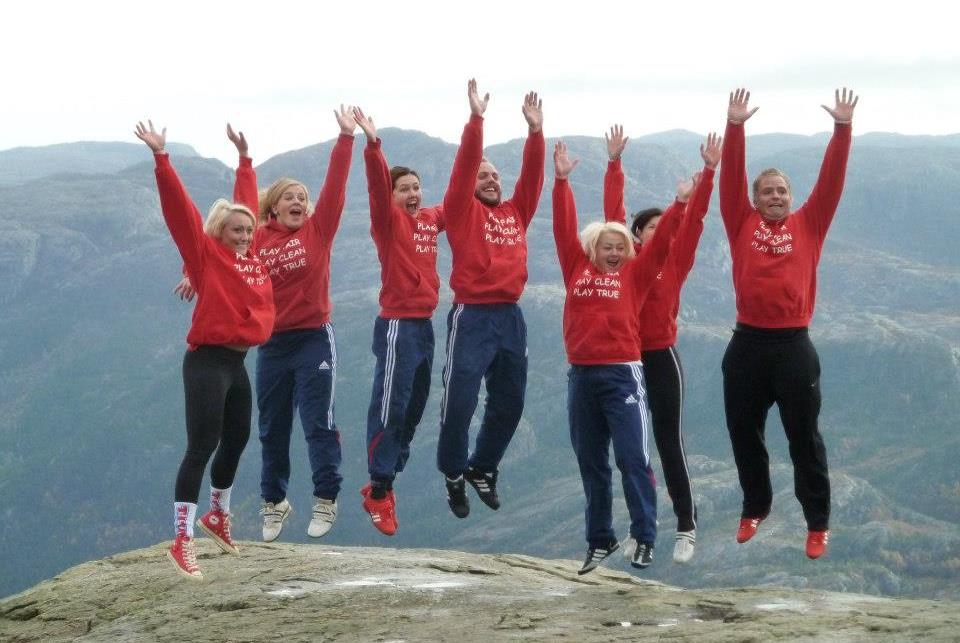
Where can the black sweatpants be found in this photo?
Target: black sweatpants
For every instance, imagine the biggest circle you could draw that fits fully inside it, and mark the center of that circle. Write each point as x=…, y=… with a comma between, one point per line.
x=218, y=404
x=762, y=367
x=664, y=376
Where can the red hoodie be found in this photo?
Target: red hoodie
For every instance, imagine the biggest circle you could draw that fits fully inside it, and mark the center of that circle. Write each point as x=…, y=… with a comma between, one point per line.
x=601, y=312
x=490, y=244
x=234, y=295
x=658, y=316
x=406, y=245
x=299, y=260
x=775, y=262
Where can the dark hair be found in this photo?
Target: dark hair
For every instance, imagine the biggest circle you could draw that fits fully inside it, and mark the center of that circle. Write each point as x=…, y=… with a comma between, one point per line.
x=397, y=171
x=642, y=218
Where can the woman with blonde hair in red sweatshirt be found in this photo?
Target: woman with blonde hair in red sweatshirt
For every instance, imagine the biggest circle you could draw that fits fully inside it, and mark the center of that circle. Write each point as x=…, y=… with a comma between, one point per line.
x=234, y=311
x=296, y=368
x=658, y=325
x=606, y=394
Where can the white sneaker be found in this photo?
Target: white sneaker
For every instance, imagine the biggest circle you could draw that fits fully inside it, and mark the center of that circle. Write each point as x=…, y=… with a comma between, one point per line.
x=273, y=517
x=324, y=515
x=629, y=546
x=683, y=548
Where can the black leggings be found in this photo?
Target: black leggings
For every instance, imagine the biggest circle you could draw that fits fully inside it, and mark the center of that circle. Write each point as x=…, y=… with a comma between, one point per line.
x=664, y=376
x=762, y=367
x=218, y=404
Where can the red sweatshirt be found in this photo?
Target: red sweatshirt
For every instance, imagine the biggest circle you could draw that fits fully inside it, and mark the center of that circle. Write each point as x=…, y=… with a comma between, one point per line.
x=658, y=316
x=299, y=260
x=775, y=262
x=490, y=244
x=234, y=295
x=601, y=312
x=406, y=245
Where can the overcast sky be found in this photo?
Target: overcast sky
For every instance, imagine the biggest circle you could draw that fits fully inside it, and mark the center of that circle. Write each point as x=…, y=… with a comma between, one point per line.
x=88, y=71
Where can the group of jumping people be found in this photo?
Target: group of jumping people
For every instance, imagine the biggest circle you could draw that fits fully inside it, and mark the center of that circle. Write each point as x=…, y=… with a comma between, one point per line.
x=260, y=270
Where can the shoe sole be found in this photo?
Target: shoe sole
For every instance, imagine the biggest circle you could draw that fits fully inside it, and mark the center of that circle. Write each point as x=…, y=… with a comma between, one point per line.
x=180, y=570
x=221, y=543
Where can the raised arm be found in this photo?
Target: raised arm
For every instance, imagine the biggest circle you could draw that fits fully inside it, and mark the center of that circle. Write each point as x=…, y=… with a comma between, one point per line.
x=825, y=196
x=245, y=183
x=613, y=208
x=379, y=186
x=565, y=212
x=463, y=177
x=734, y=195
x=526, y=193
x=688, y=236
x=180, y=214
x=326, y=214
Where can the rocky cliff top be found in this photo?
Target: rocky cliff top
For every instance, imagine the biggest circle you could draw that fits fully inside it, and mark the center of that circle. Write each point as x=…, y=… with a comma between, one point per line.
x=292, y=592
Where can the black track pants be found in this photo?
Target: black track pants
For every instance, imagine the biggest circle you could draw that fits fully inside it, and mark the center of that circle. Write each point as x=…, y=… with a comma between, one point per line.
x=664, y=375
x=762, y=367
x=218, y=404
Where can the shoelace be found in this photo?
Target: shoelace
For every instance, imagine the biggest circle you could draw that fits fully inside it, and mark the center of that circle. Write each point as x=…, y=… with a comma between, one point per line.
x=226, y=527
x=189, y=555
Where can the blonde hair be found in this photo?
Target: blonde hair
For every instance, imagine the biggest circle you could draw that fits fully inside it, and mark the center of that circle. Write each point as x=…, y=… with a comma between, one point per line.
x=220, y=211
x=271, y=196
x=590, y=237
x=770, y=171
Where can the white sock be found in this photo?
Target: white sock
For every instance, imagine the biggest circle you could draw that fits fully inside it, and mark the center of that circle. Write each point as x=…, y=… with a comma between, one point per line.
x=220, y=499
x=184, y=513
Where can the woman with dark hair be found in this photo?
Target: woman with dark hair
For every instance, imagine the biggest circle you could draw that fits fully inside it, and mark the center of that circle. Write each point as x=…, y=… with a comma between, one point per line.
x=406, y=238
x=234, y=311
x=606, y=395
x=658, y=326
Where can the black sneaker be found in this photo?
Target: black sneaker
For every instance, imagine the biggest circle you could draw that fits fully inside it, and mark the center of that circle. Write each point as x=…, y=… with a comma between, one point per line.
x=595, y=556
x=485, y=485
x=643, y=556
x=457, y=497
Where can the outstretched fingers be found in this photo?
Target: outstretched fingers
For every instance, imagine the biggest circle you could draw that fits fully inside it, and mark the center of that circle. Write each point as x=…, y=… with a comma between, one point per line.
x=710, y=150
x=845, y=103
x=616, y=141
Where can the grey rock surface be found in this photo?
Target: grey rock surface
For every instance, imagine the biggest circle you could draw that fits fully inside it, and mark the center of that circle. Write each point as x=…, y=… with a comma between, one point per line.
x=290, y=593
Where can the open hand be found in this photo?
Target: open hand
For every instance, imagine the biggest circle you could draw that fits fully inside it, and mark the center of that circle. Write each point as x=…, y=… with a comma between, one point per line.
x=477, y=105
x=533, y=111
x=738, y=110
x=149, y=135
x=710, y=150
x=843, y=110
x=616, y=142
x=239, y=140
x=561, y=162
x=345, y=120
x=366, y=124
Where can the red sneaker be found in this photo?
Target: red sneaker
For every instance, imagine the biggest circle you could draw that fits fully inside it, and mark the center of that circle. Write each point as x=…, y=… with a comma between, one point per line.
x=216, y=524
x=183, y=555
x=817, y=543
x=381, y=513
x=365, y=491
x=747, y=529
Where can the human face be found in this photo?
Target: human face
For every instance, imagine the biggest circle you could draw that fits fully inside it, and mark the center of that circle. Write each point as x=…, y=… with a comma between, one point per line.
x=488, y=184
x=646, y=233
x=611, y=252
x=773, y=198
x=291, y=208
x=406, y=193
x=237, y=232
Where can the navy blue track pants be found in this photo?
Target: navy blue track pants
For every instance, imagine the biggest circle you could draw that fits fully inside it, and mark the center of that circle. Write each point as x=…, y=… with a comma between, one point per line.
x=609, y=403
x=401, y=385
x=296, y=370
x=484, y=342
